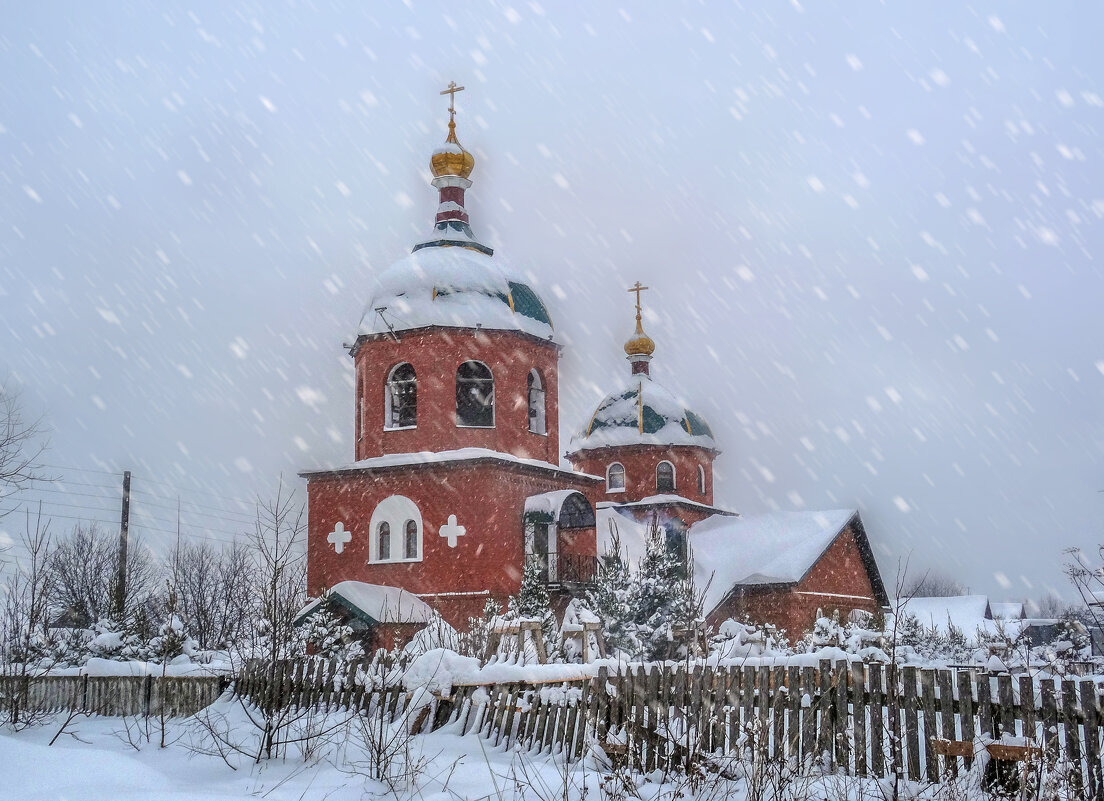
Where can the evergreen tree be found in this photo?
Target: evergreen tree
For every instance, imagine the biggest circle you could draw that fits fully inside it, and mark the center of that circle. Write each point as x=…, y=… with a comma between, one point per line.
x=329, y=636
x=656, y=594
x=533, y=603
x=610, y=597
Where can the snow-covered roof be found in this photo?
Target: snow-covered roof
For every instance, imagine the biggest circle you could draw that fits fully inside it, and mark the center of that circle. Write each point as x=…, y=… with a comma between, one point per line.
x=1007, y=610
x=457, y=287
x=643, y=412
x=729, y=551
x=655, y=500
x=548, y=502
x=967, y=613
x=768, y=548
x=380, y=603
x=444, y=457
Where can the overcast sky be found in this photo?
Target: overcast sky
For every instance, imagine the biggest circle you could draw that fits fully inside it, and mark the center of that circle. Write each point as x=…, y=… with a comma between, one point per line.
x=873, y=234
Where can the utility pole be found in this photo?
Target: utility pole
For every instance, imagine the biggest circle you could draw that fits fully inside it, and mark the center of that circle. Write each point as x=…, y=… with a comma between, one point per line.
x=124, y=527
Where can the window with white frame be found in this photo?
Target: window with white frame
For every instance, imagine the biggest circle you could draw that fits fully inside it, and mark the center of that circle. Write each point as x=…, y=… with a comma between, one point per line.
x=475, y=396
x=536, y=403
x=701, y=479
x=615, y=477
x=401, y=397
x=397, y=530
x=665, y=477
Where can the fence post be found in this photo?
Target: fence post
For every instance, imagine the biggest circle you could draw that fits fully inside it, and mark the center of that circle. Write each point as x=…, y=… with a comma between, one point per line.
x=927, y=695
x=858, y=704
x=877, y=722
x=1092, y=732
x=912, y=734
x=1073, y=736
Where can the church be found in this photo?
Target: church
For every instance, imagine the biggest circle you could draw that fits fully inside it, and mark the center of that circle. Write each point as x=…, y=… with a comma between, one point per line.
x=458, y=477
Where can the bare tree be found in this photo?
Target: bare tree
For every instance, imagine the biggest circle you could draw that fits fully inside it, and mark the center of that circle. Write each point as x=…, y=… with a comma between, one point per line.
x=279, y=572
x=24, y=618
x=20, y=446
x=215, y=592
x=934, y=585
x=84, y=568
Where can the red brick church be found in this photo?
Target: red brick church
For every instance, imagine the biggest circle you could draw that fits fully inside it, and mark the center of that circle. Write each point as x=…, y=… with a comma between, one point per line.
x=458, y=479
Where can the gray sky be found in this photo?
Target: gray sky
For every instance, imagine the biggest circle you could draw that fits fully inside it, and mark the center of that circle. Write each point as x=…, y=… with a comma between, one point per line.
x=872, y=233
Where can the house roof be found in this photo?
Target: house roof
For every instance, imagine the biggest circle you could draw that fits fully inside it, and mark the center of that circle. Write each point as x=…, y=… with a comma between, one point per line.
x=1007, y=610
x=767, y=549
x=967, y=613
x=459, y=455
x=372, y=603
x=752, y=551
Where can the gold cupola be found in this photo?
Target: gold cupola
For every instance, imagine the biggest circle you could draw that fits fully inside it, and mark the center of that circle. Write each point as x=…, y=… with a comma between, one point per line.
x=640, y=346
x=451, y=158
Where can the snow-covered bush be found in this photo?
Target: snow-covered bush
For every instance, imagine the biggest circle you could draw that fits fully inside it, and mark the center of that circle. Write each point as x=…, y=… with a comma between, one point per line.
x=329, y=637
x=741, y=640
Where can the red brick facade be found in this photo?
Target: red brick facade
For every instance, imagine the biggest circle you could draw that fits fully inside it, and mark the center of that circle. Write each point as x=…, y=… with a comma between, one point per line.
x=641, y=461
x=436, y=353
x=839, y=580
x=488, y=499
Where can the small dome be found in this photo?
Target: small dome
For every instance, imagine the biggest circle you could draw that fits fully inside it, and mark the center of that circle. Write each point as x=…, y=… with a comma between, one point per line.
x=451, y=158
x=643, y=413
x=455, y=287
x=639, y=344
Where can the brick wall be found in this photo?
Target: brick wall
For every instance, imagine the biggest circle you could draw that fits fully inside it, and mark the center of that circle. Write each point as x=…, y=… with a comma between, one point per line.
x=838, y=581
x=435, y=354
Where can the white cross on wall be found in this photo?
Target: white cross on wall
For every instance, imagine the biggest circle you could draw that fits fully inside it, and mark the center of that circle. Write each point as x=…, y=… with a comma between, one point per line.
x=338, y=537
x=452, y=531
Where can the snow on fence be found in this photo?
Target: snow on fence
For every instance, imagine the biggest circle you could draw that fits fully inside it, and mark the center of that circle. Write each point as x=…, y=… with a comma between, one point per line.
x=119, y=696
x=867, y=720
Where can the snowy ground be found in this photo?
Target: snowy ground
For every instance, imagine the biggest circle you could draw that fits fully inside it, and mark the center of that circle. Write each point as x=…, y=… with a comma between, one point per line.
x=109, y=759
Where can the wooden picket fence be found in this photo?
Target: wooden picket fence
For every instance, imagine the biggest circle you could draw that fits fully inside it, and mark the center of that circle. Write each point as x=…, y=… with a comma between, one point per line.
x=862, y=719
x=113, y=695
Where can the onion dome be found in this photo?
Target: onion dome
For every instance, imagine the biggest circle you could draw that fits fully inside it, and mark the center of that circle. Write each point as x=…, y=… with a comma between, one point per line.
x=639, y=344
x=452, y=280
x=643, y=412
x=451, y=158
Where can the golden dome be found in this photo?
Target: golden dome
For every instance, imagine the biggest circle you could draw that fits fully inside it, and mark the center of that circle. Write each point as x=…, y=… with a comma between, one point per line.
x=451, y=158
x=639, y=344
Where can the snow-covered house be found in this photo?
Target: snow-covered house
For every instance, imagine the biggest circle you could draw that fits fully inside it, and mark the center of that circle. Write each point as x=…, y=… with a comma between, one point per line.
x=1007, y=610
x=967, y=614
x=457, y=480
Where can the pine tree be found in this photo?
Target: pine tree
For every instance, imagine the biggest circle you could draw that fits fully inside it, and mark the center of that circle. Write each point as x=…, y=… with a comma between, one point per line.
x=533, y=603
x=329, y=636
x=656, y=593
x=610, y=597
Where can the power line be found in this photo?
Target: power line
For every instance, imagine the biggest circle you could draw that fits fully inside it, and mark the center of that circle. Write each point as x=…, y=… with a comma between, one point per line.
x=118, y=473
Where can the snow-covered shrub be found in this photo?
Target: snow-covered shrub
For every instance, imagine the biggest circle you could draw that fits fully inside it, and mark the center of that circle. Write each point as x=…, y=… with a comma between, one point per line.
x=329, y=637
x=741, y=640
x=437, y=633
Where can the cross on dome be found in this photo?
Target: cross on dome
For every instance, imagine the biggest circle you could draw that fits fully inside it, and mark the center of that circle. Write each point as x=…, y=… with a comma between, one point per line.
x=640, y=346
x=451, y=92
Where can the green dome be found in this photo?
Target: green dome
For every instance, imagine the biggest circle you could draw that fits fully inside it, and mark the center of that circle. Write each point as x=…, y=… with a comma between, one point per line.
x=643, y=413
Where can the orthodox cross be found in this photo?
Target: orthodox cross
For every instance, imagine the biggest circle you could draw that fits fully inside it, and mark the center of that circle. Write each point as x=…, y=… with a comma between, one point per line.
x=637, y=288
x=451, y=92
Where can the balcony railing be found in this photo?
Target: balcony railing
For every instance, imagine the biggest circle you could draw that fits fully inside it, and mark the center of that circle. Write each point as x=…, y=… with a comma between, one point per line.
x=566, y=568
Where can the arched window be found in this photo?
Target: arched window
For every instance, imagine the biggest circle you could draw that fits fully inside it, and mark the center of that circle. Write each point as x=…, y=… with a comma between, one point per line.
x=615, y=477
x=665, y=477
x=474, y=396
x=384, y=548
x=701, y=479
x=402, y=397
x=536, y=403
x=397, y=531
